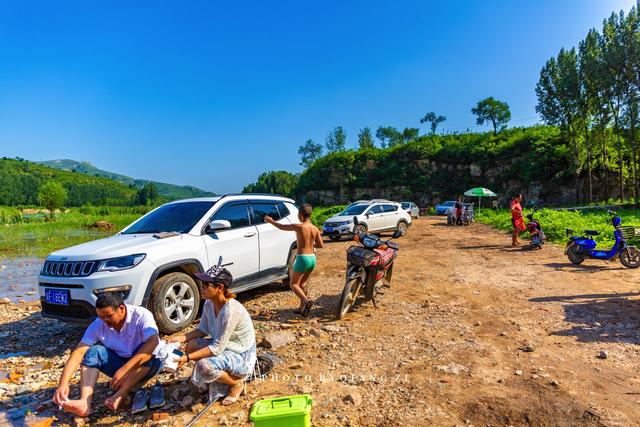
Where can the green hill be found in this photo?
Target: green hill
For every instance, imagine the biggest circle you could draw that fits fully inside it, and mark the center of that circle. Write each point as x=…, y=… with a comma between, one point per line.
x=169, y=191
x=20, y=182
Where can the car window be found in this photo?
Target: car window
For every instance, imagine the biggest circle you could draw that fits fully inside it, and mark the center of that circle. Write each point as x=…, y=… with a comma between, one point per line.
x=179, y=217
x=389, y=208
x=283, y=209
x=450, y=203
x=354, y=210
x=375, y=210
x=260, y=209
x=236, y=213
x=406, y=205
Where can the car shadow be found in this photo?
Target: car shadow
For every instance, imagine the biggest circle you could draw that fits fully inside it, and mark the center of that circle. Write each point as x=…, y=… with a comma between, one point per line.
x=600, y=317
x=573, y=268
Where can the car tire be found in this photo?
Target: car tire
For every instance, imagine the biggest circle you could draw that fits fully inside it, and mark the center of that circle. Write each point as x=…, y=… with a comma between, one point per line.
x=290, y=260
x=175, y=301
x=403, y=227
x=360, y=228
x=335, y=237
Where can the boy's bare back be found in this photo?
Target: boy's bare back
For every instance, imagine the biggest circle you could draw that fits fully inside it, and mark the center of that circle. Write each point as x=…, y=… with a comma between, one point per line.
x=308, y=237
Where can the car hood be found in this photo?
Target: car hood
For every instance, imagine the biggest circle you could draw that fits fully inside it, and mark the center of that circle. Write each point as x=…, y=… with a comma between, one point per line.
x=112, y=247
x=340, y=218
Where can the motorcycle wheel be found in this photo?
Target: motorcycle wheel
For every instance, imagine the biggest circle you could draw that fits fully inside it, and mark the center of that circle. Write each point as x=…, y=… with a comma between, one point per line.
x=574, y=256
x=349, y=295
x=630, y=258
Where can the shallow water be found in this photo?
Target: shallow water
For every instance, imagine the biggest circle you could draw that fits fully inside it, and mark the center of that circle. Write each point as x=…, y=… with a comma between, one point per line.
x=19, y=278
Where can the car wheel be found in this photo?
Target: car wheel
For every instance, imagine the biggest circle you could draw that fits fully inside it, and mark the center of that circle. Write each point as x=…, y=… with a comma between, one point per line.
x=335, y=237
x=175, y=300
x=292, y=258
x=402, y=228
x=360, y=228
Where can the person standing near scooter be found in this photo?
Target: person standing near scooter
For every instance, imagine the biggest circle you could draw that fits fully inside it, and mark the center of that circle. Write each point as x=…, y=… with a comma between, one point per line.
x=516, y=219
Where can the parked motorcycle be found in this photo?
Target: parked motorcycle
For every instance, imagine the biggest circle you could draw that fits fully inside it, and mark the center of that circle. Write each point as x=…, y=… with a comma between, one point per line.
x=369, y=268
x=580, y=248
x=535, y=230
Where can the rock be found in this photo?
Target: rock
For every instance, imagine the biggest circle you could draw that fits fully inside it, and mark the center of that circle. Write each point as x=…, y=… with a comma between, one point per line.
x=354, y=398
x=5, y=301
x=197, y=407
x=331, y=328
x=315, y=332
x=187, y=401
x=278, y=339
x=30, y=293
x=503, y=334
x=452, y=368
x=603, y=354
x=478, y=323
x=159, y=416
x=23, y=389
x=528, y=348
x=223, y=421
x=175, y=395
x=554, y=383
x=296, y=366
x=518, y=372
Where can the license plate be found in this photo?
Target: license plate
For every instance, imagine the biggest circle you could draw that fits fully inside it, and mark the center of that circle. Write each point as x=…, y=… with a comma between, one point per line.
x=56, y=296
x=328, y=229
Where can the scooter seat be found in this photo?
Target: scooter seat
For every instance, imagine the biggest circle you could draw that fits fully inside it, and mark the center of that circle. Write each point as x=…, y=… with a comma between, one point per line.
x=591, y=232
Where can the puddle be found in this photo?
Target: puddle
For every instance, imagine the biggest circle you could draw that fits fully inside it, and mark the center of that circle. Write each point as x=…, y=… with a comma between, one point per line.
x=19, y=278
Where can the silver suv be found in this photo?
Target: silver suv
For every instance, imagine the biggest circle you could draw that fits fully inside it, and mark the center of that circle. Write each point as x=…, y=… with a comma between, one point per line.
x=374, y=216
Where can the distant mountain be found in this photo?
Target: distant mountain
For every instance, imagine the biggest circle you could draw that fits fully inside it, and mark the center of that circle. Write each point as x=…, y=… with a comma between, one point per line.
x=170, y=191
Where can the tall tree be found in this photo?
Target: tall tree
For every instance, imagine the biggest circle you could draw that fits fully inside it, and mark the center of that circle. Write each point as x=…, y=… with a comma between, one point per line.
x=409, y=134
x=275, y=182
x=52, y=196
x=365, y=139
x=389, y=136
x=336, y=140
x=434, y=120
x=309, y=152
x=494, y=111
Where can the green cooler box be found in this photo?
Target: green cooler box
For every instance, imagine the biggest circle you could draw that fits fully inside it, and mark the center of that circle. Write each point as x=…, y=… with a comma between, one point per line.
x=290, y=411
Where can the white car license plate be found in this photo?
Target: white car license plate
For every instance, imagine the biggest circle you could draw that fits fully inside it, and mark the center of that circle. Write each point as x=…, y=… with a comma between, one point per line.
x=56, y=296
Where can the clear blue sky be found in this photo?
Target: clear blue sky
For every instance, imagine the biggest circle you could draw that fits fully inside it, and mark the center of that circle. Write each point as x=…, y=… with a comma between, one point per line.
x=213, y=93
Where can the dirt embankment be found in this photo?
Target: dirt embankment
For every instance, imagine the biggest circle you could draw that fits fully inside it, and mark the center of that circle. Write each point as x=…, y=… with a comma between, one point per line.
x=472, y=332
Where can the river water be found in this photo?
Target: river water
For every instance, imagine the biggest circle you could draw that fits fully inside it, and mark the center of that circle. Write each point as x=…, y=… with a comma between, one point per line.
x=19, y=278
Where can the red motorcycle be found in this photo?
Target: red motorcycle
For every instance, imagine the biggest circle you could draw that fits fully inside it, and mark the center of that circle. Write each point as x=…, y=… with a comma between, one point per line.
x=369, y=268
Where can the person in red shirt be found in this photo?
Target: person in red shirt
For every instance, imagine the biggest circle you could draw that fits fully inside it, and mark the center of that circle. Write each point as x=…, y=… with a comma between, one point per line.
x=516, y=219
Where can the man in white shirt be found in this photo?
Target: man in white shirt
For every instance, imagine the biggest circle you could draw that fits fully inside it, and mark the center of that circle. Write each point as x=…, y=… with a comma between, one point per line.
x=119, y=343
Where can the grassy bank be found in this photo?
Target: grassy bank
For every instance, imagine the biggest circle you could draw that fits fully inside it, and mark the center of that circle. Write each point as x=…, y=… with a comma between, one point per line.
x=554, y=223
x=36, y=235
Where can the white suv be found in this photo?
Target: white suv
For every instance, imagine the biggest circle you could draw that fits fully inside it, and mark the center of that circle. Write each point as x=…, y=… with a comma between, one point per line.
x=374, y=216
x=153, y=260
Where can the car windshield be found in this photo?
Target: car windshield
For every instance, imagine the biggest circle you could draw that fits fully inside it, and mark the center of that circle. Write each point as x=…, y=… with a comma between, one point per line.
x=179, y=217
x=450, y=203
x=406, y=205
x=354, y=210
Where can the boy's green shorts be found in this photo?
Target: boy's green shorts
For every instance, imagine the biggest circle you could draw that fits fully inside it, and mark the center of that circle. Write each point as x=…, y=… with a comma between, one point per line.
x=304, y=263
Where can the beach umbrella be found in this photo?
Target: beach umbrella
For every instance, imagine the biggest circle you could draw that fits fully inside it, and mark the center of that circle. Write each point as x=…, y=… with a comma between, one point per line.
x=480, y=192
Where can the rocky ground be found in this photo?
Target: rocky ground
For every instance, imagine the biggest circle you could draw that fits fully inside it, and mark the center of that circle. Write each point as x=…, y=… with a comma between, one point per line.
x=472, y=332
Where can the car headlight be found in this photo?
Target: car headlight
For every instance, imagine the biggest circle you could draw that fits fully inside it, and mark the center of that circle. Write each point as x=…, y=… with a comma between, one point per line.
x=121, y=263
x=346, y=222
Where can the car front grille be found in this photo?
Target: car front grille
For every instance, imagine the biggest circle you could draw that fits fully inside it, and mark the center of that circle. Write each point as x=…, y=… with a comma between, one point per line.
x=69, y=268
x=332, y=224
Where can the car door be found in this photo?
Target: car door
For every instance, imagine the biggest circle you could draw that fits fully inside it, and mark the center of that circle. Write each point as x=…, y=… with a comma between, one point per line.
x=274, y=244
x=390, y=216
x=238, y=245
x=374, y=220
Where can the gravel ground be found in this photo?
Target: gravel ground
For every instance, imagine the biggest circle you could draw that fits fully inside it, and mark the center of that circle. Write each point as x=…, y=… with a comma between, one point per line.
x=472, y=332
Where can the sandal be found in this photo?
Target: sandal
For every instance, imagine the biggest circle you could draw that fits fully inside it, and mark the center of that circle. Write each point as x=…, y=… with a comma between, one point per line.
x=307, y=308
x=229, y=400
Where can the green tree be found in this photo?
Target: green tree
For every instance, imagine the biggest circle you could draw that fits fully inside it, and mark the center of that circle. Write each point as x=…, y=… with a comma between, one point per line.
x=309, y=152
x=389, y=136
x=434, y=120
x=336, y=140
x=409, y=134
x=147, y=195
x=52, y=196
x=494, y=111
x=274, y=182
x=365, y=139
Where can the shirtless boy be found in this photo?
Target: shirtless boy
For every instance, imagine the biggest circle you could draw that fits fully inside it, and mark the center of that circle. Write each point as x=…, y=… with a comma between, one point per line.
x=309, y=238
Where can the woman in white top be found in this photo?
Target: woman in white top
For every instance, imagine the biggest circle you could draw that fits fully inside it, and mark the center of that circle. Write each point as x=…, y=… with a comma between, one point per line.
x=229, y=355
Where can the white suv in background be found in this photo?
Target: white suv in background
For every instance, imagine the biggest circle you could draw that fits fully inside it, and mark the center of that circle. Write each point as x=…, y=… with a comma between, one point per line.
x=153, y=260
x=374, y=216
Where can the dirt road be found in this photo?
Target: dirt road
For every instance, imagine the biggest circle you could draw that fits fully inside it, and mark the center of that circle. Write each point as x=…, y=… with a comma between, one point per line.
x=472, y=332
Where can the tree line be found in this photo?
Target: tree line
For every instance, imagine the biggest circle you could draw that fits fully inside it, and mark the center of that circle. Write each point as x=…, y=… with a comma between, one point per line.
x=592, y=93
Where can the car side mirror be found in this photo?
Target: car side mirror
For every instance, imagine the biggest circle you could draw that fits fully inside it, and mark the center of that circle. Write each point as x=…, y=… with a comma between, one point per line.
x=218, y=225
x=397, y=234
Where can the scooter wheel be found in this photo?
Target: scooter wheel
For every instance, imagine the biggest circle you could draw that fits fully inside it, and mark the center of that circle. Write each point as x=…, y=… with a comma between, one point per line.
x=575, y=257
x=630, y=258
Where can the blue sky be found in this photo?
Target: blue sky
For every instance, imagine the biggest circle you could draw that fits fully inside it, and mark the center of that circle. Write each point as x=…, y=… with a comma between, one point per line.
x=214, y=93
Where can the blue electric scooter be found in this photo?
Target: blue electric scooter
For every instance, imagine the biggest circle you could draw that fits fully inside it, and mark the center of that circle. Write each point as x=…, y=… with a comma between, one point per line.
x=580, y=248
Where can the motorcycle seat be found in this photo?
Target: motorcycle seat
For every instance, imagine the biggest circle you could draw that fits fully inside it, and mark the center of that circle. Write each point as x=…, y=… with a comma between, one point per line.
x=591, y=232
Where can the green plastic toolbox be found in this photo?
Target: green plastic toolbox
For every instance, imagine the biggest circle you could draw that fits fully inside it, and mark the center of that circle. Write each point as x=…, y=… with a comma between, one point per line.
x=290, y=411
